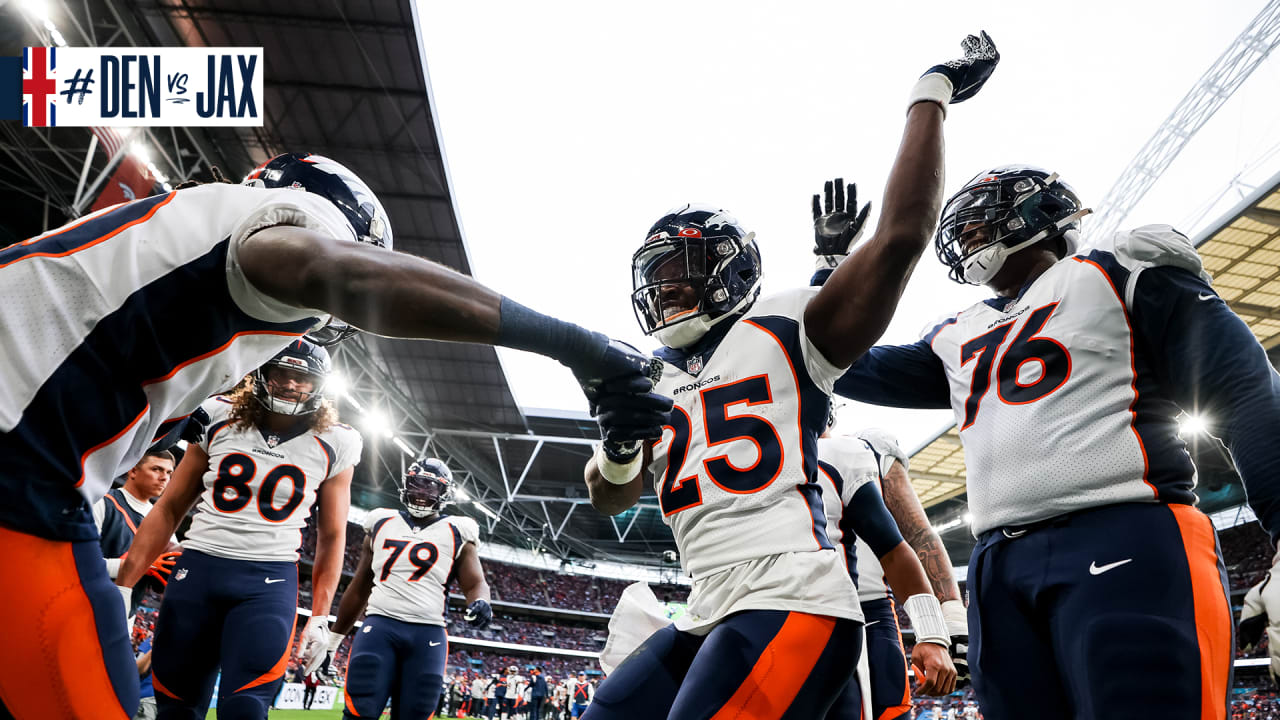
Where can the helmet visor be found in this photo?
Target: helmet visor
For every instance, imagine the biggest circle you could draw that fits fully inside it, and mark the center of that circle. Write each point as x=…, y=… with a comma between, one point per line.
x=669, y=277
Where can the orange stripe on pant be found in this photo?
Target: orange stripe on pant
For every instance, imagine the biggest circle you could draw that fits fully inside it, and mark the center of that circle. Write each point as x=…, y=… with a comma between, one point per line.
x=51, y=664
x=1213, y=612
x=781, y=670
x=277, y=670
x=903, y=707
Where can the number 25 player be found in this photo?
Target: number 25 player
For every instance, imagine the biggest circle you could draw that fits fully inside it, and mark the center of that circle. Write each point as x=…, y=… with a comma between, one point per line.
x=1096, y=588
x=773, y=624
x=116, y=326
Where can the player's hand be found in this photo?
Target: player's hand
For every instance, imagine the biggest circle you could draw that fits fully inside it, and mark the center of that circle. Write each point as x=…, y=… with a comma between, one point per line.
x=162, y=567
x=837, y=228
x=613, y=363
x=314, y=645
x=326, y=657
x=478, y=614
x=963, y=77
x=197, y=423
x=935, y=675
x=627, y=419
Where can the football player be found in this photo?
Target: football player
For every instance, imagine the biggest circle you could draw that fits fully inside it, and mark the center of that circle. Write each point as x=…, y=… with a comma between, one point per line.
x=772, y=626
x=408, y=558
x=886, y=498
x=273, y=449
x=1096, y=588
x=120, y=324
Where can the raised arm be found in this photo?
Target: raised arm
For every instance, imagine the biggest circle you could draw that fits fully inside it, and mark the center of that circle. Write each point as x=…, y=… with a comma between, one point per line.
x=854, y=306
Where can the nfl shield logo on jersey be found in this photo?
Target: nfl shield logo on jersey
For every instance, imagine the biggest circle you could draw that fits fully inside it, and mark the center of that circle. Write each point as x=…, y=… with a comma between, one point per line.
x=181, y=573
x=694, y=364
x=273, y=440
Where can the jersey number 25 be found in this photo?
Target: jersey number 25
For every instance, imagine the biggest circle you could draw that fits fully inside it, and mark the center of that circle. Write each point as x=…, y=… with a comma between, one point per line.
x=677, y=493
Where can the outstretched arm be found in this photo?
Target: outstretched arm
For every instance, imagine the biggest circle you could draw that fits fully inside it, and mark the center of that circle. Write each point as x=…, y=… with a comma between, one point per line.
x=907, y=512
x=854, y=306
x=158, y=526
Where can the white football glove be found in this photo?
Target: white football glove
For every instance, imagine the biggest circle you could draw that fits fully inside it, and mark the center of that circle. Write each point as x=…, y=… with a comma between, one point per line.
x=315, y=642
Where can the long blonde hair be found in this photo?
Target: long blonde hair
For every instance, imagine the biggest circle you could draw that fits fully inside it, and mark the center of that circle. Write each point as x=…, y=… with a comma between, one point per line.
x=247, y=412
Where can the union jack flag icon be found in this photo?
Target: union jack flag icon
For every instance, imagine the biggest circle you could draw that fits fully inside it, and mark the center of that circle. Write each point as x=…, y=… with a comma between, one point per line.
x=39, y=87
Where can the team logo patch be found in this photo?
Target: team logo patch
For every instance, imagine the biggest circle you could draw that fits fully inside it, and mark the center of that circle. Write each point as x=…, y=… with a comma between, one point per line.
x=273, y=440
x=694, y=364
x=180, y=574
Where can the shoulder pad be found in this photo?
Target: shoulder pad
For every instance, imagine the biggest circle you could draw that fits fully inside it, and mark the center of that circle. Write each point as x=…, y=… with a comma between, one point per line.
x=468, y=528
x=788, y=303
x=885, y=445
x=376, y=514
x=218, y=407
x=1155, y=246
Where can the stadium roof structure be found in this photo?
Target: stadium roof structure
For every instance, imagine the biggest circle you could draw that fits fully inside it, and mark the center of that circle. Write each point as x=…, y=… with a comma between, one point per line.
x=1242, y=252
x=345, y=79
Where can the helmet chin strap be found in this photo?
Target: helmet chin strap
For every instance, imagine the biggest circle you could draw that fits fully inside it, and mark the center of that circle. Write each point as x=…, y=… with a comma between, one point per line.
x=983, y=265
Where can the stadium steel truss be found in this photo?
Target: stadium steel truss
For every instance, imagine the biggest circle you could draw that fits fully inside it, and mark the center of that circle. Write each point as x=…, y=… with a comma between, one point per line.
x=1210, y=92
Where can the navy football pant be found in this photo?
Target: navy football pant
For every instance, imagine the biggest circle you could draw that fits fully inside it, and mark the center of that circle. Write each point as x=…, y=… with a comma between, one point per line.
x=757, y=664
x=890, y=691
x=398, y=660
x=65, y=651
x=239, y=614
x=1115, y=612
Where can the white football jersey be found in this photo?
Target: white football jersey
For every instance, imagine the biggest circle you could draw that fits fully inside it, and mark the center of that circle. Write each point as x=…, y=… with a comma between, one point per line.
x=740, y=453
x=412, y=563
x=1051, y=395
x=856, y=466
x=260, y=486
x=137, y=312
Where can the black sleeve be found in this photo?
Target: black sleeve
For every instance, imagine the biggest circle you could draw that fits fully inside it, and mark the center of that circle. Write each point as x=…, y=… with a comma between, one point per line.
x=871, y=521
x=1211, y=364
x=906, y=376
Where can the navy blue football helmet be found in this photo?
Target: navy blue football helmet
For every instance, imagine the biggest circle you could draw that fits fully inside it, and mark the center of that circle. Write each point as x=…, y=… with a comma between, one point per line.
x=697, y=267
x=1000, y=212
x=427, y=487
x=334, y=182
x=302, y=356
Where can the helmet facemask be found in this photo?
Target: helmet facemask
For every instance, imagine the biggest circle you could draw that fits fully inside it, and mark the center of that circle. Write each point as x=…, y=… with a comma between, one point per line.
x=985, y=223
x=427, y=489
x=272, y=376
x=681, y=284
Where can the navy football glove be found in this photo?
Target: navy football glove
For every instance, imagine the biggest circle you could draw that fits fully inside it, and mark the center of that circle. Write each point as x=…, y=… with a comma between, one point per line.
x=837, y=229
x=628, y=419
x=968, y=74
x=478, y=614
x=614, y=366
x=197, y=423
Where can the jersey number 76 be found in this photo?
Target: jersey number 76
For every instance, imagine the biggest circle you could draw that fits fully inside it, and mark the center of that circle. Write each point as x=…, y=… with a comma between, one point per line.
x=1027, y=346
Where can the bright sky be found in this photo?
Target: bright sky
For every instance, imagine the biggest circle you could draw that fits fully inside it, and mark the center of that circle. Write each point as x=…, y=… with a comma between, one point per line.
x=569, y=127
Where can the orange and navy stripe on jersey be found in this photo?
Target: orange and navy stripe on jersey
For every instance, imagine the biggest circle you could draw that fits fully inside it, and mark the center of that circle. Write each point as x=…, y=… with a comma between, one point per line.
x=101, y=389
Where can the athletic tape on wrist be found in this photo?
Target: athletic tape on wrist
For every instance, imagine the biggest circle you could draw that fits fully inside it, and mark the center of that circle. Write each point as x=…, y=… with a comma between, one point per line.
x=956, y=617
x=932, y=87
x=927, y=619
x=617, y=473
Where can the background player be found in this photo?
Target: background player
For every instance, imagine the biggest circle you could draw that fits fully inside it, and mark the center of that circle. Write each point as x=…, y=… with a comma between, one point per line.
x=273, y=449
x=118, y=514
x=79, y=405
x=857, y=516
x=836, y=231
x=751, y=382
x=1093, y=573
x=407, y=561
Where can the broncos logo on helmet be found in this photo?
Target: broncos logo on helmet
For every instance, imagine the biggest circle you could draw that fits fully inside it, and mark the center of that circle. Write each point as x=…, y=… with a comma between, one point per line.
x=427, y=488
